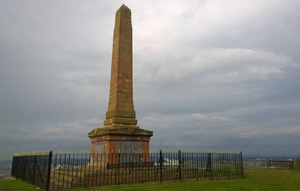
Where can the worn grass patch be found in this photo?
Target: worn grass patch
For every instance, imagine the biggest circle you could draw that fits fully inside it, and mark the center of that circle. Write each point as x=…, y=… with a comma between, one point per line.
x=255, y=180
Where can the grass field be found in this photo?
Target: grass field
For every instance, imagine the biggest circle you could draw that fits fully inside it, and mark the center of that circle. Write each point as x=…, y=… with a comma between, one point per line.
x=255, y=179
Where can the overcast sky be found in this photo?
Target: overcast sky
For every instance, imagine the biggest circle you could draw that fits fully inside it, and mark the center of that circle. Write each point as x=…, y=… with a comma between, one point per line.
x=208, y=75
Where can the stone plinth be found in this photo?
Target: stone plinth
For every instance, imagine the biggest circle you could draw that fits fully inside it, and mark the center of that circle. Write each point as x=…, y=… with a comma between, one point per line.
x=106, y=140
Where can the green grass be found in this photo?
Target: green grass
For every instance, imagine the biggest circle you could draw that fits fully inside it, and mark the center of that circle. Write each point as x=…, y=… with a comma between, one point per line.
x=9, y=184
x=255, y=180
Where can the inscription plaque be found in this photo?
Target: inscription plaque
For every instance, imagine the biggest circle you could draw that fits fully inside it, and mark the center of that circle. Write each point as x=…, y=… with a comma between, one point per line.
x=131, y=149
x=99, y=147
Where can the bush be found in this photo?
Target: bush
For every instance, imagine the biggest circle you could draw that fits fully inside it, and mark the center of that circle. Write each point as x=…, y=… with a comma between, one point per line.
x=297, y=166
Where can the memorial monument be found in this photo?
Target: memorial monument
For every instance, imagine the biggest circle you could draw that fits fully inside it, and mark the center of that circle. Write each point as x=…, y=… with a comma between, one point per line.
x=120, y=129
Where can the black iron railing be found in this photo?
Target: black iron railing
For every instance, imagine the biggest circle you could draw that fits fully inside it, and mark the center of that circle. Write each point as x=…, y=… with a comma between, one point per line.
x=64, y=170
x=33, y=167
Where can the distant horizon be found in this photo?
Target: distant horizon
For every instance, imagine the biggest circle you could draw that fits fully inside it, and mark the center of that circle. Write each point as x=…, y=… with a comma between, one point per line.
x=246, y=156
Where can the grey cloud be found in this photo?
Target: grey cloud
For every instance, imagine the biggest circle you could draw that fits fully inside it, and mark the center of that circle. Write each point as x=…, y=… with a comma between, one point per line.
x=210, y=80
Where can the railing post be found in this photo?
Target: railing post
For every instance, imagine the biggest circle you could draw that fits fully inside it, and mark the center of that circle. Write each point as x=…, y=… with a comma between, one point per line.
x=119, y=168
x=242, y=163
x=160, y=163
x=49, y=171
x=12, y=173
x=33, y=176
x=210, y=161
x=24, y=168
x=179, y=167
x=208, y=165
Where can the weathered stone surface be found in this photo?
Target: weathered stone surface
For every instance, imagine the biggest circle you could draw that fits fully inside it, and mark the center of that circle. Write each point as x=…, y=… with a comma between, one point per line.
x=127, y=130
x=120, y=96
x=120, y=123
x=120, y=120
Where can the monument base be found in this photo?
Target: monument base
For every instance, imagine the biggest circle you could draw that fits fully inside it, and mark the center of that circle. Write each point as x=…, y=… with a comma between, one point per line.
x=117, y=144
x=128, y=141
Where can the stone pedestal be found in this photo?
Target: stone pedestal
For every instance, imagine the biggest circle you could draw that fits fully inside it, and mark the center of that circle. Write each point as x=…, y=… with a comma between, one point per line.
x=106, y=140
x=108, y=143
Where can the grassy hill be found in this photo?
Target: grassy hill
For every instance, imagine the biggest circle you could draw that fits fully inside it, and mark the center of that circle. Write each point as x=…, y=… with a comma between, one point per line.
x=255, y=179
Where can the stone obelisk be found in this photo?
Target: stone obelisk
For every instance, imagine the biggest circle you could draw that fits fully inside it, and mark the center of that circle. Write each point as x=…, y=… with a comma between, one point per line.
x=120, y=129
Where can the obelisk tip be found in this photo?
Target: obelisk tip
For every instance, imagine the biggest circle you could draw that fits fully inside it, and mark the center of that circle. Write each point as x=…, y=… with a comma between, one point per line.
x=124, y=6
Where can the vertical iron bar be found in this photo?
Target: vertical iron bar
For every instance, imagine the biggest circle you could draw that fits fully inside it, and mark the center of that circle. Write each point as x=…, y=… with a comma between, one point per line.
x=33, y=175
x=219, y=163
x=227, y=164
x=189, y=164
x=59, y=169
x=235, y=172
x=138, y=163
x=210, y=166
x=55, y=163
x=142, y=164
x=104, y=168
x=127, y=167
x=151, y=165
x=158, y=166
x=169, y=154
x=119, y=168
x=166, y=169
x=93, y=158
x=109, y=169
x=197, y=159
x=179, y=168
x=229, y=174
x=72, y=169
x=171, y=169
x=224, y=164
x=236, y=164
x=69, y=163
x=115, y=167
x=49, y=171
x=12, y=173
x=148, y=161
x=242, y=164
x=140, y=171
x=77, y=168
x=112, y=162
x=97, y=166
x=89, y=173
x=81, y=169
x=64, y=170
x=84, y=156
x=160, y=160
x=192, y=163
x=182, y=165
x=131, y=164
x=24, y=168
x=101, y=162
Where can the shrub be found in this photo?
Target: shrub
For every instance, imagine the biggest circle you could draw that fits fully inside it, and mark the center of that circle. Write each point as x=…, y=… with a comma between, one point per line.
x=297, y=166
